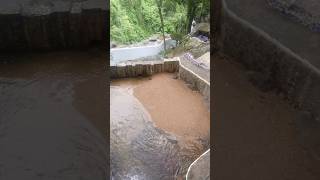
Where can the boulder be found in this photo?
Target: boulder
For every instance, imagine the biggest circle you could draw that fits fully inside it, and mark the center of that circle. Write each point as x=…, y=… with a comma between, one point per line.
x=201, y=28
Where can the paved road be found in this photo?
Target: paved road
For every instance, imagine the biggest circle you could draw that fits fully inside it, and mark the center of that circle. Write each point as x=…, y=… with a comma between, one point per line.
x=132, y=53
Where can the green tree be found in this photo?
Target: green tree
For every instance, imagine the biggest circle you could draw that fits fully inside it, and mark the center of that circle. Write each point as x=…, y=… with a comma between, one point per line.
x=134, y=20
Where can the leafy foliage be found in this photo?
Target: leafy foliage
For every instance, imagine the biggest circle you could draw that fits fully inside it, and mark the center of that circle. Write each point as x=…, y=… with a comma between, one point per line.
x=135, y=20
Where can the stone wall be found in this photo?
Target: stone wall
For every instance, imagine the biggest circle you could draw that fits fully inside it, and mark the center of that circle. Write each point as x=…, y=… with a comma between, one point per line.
x=195, y=81
x=143, y=68
x=52, y=25
x=272, y=66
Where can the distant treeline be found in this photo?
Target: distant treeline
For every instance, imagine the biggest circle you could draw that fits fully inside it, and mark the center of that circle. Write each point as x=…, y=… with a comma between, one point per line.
x=135, y=20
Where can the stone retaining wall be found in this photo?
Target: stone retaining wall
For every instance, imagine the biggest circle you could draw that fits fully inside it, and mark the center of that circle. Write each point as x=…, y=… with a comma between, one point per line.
x=143, y=68
x=272, y=65
x=195, y=81
x=52, y=25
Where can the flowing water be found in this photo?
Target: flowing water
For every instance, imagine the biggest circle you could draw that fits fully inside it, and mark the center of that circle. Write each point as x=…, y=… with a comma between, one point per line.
x=158, y=127
x=53, y=112
x=53, y=119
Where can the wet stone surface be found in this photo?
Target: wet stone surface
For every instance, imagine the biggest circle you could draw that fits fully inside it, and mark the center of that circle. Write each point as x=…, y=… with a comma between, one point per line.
x=141, y=150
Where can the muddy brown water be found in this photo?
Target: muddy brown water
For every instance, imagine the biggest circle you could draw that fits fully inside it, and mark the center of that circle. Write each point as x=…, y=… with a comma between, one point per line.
x=258, y=135
x=53, y=112
x=158, y=127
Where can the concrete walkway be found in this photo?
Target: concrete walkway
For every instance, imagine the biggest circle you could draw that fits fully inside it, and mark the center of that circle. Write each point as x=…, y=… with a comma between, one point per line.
x=293, y=35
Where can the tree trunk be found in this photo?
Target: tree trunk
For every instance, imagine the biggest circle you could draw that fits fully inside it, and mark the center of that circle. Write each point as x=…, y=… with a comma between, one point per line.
x=138, y=8
x=191, y=7
x=159, y=3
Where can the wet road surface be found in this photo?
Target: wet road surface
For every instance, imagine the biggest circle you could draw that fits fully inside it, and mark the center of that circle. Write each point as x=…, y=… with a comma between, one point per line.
x=257, y=135
x=53, y=116
x=142, y=145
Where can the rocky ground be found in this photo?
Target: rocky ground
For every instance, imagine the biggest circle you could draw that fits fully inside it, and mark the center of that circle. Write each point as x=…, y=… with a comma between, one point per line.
x=195, y=55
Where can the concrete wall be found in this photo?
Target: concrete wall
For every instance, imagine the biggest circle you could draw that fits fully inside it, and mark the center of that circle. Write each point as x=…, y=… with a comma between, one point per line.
x=52, y=25
x=195, y=81
x=272, y=65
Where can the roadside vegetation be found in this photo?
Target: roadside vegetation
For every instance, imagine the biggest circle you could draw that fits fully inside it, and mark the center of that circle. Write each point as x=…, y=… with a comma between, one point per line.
x=135, y=20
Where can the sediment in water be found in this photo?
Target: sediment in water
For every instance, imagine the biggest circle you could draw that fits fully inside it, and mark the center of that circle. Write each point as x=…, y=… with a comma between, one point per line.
x=159, y=126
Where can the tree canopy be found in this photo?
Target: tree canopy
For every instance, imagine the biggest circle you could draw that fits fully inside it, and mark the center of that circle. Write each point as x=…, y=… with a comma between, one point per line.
x=135, y=20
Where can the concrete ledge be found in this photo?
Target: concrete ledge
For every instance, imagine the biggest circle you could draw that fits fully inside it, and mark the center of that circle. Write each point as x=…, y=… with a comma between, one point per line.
x=274, y=66
x=195, y=81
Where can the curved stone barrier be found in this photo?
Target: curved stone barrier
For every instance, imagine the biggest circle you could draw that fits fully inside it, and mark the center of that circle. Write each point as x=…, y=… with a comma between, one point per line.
x=196, y=81
x=274, y=66
x=200, y=168
x=52, y=24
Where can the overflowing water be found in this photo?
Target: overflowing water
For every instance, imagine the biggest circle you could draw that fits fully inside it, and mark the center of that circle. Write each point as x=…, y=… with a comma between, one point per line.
x=53, y=112
x=148, y=145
